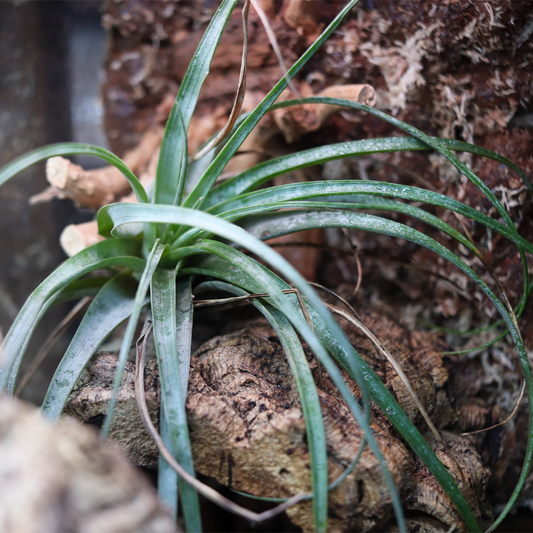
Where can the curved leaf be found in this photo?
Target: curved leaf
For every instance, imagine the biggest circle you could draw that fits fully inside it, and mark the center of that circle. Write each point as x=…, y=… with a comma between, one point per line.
x=138, y=303
x=259, y=174
x=218, y=268
x=73, y=291
x=172, y=323
x=342, y=191
x=112, y=305
x=286, y=222
x=199, y=192
x=68, y=149
x=434, y=143
x=115, y=252
x=443, y=149
x=172, y=164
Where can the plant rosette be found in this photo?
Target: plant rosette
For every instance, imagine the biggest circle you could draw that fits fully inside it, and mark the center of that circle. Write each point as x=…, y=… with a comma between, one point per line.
x=190, y=227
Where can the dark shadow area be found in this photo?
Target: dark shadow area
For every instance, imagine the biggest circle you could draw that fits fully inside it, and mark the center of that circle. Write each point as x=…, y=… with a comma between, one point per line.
x=44, y=99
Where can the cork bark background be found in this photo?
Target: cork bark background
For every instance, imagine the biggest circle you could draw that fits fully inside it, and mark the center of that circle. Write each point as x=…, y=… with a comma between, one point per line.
x=454, y=68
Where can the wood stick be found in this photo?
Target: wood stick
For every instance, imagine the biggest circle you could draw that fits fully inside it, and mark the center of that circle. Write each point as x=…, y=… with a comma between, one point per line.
x=77, y=237
x=302, y=15
x=99, y=187
x=296, y=121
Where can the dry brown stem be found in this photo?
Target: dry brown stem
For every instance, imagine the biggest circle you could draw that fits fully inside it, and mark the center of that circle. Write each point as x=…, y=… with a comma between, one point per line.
x=241, y=90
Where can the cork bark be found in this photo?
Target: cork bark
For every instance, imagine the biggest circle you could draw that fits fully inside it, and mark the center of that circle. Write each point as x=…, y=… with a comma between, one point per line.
x=62, y=478
x=248, y=431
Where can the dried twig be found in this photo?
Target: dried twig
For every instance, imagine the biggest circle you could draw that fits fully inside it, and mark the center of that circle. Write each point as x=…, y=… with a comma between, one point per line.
x=361, y=326
x=298, y=120
x=99, y=187
x=274, y=42
x=508, y=419
x=77, y=237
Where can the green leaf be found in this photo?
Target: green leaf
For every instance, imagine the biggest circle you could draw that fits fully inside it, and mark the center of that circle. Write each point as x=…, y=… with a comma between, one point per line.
x=434, y=143
x=68, y=149
x=259, y=174
x=342, y=192
x=374, y=203
x=303, y=377
x=123, y=213
x=115, y=252
x=167, y=477
x=151, y=264
x=443, y=149
x=172, y=335
x=79, y=289
x=112, y=305
x=196, y=196
x=73, y=291
x=172, y=165
x=264, y=282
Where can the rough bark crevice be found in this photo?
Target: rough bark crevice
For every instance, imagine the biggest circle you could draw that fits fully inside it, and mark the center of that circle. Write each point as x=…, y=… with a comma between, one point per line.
x=248, y=431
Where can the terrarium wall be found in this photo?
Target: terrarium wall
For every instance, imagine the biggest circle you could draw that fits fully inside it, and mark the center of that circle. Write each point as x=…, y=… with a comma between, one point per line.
x=47, y=48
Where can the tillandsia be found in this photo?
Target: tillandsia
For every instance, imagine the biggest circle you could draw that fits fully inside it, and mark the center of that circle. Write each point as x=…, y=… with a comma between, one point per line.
x=158, y=251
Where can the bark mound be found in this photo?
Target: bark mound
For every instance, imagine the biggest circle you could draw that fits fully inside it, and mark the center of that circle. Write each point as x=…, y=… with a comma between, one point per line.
x=61, y=478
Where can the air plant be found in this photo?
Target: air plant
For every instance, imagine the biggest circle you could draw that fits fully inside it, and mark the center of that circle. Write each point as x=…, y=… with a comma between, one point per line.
x=189, y=236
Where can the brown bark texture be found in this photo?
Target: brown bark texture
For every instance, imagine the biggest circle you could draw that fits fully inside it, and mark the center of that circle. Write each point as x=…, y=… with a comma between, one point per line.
x=248, y=431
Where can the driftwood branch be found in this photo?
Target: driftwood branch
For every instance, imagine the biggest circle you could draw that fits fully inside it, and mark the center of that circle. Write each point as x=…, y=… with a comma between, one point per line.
x=99, y=187
x=296, y=121
x=76, y=237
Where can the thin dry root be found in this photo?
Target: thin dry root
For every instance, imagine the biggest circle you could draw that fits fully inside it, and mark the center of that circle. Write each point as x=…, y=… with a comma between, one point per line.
x=298, y=120
x=96, y=188
x=77, y=237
